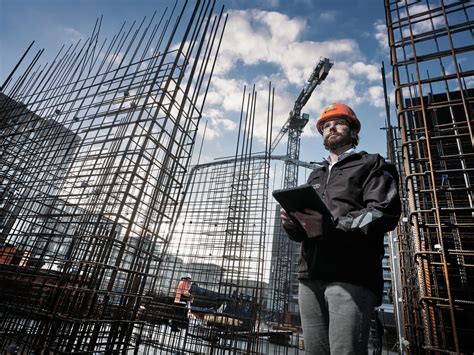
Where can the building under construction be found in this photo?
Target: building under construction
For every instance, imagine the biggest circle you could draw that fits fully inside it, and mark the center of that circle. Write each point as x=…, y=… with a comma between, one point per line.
x=432, y=140
x=102, y=212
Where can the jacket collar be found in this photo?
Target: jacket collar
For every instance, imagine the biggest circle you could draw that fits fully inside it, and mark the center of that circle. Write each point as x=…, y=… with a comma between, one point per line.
x=340, y=157
x=353, y=156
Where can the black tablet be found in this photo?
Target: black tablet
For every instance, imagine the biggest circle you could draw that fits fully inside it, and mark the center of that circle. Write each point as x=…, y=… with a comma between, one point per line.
x=297, y=199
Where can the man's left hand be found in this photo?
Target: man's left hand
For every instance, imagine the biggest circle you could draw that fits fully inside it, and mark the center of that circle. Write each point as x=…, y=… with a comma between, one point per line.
x=311, y=221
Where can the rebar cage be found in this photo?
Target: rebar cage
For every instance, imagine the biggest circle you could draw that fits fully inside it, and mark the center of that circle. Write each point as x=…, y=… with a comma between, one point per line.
x=94, y=150
x=431, y=47
x=219, y=240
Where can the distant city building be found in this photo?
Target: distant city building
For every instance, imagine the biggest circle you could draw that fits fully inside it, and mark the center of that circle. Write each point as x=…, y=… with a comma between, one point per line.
x=35, y=154
x=207, y=275
x=167, y=274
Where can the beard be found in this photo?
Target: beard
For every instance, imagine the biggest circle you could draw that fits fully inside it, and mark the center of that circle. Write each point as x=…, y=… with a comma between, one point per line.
x=336, y=140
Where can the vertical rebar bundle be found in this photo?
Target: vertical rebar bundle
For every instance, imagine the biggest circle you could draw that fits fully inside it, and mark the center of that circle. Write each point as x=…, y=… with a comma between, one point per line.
x=94, y=150
x=431, y=46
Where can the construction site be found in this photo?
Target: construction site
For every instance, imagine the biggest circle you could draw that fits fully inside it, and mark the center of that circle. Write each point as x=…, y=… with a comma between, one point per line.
x=105, y=207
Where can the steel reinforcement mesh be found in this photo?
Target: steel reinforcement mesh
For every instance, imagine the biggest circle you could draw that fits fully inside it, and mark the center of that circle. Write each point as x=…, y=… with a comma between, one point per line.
x=219, y=241
x=431, y=46
x=94, y=150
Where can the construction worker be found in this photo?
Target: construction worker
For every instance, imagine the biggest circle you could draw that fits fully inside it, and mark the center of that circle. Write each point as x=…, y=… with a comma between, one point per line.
x=182, y=291
x=340, y=267
x=182, y=303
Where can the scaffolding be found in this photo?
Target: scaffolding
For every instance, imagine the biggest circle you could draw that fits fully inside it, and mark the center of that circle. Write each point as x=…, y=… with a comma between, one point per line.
x=431, y=47
x=94, y=150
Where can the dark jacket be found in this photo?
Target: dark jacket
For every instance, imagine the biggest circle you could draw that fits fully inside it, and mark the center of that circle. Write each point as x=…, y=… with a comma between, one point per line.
x=361, y=192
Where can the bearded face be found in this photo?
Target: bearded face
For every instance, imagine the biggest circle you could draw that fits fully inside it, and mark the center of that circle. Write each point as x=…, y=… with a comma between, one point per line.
x=337, y=134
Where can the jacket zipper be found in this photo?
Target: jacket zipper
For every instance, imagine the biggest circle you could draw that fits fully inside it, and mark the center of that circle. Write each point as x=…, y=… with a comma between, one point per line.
x=327, y=182
x=329, y=174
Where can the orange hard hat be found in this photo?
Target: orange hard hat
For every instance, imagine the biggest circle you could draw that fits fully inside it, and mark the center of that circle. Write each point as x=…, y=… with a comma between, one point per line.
x=338, y=110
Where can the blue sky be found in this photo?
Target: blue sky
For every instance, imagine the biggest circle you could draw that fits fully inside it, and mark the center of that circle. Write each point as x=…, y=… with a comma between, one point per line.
x=273, y=40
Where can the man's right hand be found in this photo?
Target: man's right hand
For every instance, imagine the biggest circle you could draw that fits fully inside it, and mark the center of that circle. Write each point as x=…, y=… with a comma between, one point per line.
x=286, y=220
x=311, y=221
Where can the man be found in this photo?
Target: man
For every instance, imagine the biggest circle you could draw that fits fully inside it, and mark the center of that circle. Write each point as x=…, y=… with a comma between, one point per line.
x=340, y=269
x=182, y=291
x=182, y=303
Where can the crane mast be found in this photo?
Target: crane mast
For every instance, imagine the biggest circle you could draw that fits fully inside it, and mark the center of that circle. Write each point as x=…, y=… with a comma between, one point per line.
x=285, y=247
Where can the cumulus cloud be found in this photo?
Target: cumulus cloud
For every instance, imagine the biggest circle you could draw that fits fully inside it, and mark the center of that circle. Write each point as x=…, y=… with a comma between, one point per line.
x=233, y=102
x=376, y=97
x=256, y=36
x=381, y=34
x=227, y=93
x=218, y=124
x=370, y=71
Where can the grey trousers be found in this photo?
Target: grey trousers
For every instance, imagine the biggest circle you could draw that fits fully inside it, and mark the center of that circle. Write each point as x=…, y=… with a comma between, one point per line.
x=335, y=317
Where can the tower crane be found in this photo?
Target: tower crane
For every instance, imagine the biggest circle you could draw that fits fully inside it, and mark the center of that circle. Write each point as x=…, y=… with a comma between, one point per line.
x=285, y=247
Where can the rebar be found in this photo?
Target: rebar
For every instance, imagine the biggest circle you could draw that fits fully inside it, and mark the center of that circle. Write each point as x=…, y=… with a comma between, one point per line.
x=434, y=98
x=219, y=239
x=94, y=151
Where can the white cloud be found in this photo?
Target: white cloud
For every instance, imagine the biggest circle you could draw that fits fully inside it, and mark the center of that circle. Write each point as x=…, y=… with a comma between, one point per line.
x=381, y=34
x=215, y=129
x=210, y=133
x=340, y=87
x=213, y=98
x=254, y=37
x=280, y=26
x=469, y=82
x=217, y=119
x=218, y=124
x=227, y=93
x=376, y=97
x=72, y=34
x=370, y=71
x=415, y=9
x=301, y=57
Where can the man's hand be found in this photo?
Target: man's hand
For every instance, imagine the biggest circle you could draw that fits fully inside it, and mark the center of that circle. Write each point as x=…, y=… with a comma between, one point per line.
x=311, y=221
x=286, y=220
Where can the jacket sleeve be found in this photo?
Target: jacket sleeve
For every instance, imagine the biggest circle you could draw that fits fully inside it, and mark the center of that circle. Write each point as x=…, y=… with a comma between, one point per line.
x=382, y=204
x=296, y=234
